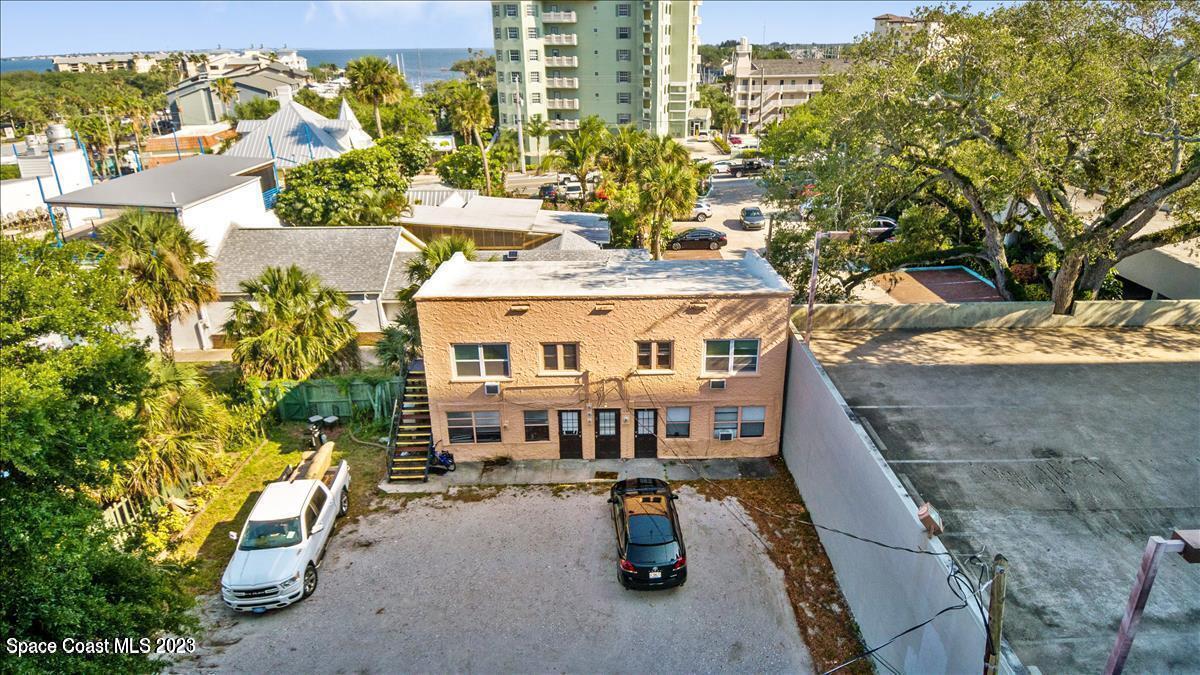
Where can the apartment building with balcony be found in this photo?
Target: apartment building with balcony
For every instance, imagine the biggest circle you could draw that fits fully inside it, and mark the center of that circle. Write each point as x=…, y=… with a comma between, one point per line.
x=765, y=89
x=605, y=359
x=629, y=62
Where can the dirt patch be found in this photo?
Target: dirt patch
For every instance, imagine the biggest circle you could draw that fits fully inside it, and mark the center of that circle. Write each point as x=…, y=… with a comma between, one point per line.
x=821, y=612
x=606, y=475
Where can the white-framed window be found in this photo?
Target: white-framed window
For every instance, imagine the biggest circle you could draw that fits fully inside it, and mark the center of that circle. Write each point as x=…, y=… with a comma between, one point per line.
x=622, y=76
x=624, y=55
x=514, y=55
x=624, y=118
x=510, y=10
x=496, y=31
x=560, y=356
x=624, y=97
x=745, y=422
x=731, y=356
x=537, y=425
x=533, y=55
x=655, y=355
x=623, y=9
x=501, y=97
x=530, y=10
x=623, y=32
x=503, y=118
x=513, y=32
x=535, y=76
x=535, y=97
x=531, y=32
x=481, y=360
x=495, y=10
x=481, y=426
x=515, y=77
x=679, y=422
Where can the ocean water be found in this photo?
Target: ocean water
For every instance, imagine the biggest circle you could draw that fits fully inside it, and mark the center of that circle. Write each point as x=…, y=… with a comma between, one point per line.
x=421, y=65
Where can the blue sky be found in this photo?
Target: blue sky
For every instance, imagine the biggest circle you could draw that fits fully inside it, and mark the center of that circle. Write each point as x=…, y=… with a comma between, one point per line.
x=29, y=27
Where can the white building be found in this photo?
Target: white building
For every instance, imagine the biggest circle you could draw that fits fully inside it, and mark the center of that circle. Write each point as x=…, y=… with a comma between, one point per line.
x=764, y=90
x=49, y=167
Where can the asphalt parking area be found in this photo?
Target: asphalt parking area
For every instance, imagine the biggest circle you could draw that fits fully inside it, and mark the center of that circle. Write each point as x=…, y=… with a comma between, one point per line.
x=728, y=196
x=1063, y=449
x=524, y=581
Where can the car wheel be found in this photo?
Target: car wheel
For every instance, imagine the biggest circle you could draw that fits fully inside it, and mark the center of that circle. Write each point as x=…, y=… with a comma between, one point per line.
x=700, y=218
x=310, y=580
x=344, y=503
x=621, y=580
x=712, y=246
x=675, y=246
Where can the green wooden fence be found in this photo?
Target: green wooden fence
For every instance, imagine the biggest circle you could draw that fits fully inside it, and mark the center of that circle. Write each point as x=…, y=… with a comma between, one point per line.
x=330, y=397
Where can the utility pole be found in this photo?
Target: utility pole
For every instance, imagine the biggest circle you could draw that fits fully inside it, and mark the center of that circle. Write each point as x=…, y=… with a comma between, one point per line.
x=520, y=133
x=1183, y=542
x=991, y=660
x=112, y=141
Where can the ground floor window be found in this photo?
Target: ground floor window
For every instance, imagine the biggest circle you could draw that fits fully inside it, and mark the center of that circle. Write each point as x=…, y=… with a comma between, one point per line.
x=745, y=422
x=474, y=427
x=679, y=422
x=537, y=425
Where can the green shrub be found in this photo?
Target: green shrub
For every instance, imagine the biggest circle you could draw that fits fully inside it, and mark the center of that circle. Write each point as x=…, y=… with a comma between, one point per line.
x=722, y=144
x=9, y=171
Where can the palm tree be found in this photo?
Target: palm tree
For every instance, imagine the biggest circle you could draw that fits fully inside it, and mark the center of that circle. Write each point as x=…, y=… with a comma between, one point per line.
x=289, y=325
x=183, y=429
x=470, y=115
x=622, y=158
x=537, y=128
x=374, y=80
x=668, y=191
x=374, y=208
x=225, y=91
x=578, y=153
x=169, y=277
x=404, y=335
x=436, y=252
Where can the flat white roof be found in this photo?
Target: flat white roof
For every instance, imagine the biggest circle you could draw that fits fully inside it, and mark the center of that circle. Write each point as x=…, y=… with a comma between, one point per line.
x=458, y=278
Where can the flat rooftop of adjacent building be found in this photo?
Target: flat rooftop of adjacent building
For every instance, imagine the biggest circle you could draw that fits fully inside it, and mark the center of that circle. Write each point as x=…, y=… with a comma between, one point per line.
x=459, y=278
x=169, y=186
x=1064, y=450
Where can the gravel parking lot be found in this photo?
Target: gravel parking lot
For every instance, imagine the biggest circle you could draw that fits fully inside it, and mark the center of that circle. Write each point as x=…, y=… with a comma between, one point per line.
x=523, y=581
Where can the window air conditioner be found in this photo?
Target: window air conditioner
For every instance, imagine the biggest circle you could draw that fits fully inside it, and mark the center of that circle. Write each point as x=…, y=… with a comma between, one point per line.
x=716, y=384
x=726, y=434
x=491, y=388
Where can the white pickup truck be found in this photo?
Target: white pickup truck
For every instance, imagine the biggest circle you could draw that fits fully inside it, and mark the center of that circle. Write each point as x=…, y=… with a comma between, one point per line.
x=283, y=541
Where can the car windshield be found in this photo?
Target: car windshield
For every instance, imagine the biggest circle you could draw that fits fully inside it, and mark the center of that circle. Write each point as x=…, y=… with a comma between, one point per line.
x=753, y=213
x=649, y=530
x=261, y=534
x=660, y=554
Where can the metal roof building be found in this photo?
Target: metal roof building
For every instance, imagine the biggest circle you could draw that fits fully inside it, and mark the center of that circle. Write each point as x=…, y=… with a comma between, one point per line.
x=296, y=135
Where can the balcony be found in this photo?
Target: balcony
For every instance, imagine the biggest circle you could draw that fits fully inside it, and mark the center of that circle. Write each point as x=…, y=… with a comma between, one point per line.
x=558, y=17
x=562, y=82
x=561, y=39
x=647, y=51
x=562, y=61
x=647, y=26
x=564, y=125
x=647, y=92
x=647, y=71
x=562, y=104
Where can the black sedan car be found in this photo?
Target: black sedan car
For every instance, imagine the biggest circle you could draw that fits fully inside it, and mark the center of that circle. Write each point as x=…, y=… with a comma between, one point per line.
x=698, y=237
x=649, y=541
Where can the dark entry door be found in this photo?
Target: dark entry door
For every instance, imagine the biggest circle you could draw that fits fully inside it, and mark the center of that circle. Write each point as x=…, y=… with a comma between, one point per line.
x=645, y=436
x=608, y=434
x=570, y=439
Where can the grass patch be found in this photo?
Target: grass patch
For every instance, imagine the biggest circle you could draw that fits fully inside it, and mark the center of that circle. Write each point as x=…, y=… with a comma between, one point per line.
x=821, y=612
x=207, y=545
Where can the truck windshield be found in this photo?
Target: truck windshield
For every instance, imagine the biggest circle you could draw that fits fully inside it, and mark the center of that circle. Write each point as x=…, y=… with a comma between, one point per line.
x=262, y=534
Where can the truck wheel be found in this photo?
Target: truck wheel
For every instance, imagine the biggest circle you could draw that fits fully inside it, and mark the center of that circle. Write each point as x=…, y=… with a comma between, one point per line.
x=310, y=580
x=344, y=503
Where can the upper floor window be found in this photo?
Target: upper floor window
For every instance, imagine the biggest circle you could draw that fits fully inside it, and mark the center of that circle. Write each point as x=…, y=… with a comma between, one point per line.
x=531, y=32
x=624, y=97
x=560, y=356
x=500, y=97
x=655, y=355
x=624, y=55
x=514, y=76
x=514, y=55
x=529, y=9
x=481, y=360
x=623, y=32
x=533, y=55
x=535, y=76
x=513, y=32
x=496, y=31
x=731, y=356
x=623, y=9
x=510, y=10
x=622, y=76
x=535, y=97
x=495, y=10
x=624, y=118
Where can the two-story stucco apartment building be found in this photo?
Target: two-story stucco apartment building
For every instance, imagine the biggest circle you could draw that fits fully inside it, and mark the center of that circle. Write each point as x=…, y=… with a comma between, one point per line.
x=623, y=358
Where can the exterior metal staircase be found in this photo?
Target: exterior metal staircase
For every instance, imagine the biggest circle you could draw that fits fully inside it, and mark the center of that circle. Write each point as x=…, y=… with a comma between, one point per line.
x=411, y=434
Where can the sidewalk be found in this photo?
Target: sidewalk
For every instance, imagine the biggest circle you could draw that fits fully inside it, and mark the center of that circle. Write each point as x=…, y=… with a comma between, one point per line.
x=563, y=471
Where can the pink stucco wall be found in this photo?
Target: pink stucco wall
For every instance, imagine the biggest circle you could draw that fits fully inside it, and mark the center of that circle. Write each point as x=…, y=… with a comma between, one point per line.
x=608, y=376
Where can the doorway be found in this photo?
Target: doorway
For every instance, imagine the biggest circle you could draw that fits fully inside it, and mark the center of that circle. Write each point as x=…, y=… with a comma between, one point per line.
x=645, y=437
x=608, y=434
x=570, y=440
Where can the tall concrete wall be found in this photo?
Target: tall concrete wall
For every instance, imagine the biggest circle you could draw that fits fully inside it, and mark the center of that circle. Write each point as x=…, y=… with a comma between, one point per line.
x=1000, y=315
x=848, y=485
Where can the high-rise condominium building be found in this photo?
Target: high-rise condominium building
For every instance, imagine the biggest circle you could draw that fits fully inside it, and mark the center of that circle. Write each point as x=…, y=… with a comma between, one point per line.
x=629, y=62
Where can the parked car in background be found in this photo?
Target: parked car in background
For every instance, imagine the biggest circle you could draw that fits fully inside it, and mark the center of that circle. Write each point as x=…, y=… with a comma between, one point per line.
x=698, y=237
x=746, y=168
x=650, y=547
x=283, y=541
x=702, y=211
x=735, y=140
x=752, y=218
x=572, y=190
x=891, y=229
x=722, y=167
x=702, y=136
x=549, y=191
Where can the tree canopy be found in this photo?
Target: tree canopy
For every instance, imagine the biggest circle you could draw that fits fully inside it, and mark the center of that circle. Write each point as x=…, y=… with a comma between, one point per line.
x=316, y=192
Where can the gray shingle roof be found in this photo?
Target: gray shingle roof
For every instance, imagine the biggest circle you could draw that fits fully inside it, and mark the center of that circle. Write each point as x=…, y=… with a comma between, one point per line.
x=350, y=259
x=799, y=67
x=188, y=181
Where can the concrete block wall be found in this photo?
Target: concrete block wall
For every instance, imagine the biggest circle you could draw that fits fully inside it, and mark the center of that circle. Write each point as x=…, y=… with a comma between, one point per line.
x=1000, y=315
x=847, y=484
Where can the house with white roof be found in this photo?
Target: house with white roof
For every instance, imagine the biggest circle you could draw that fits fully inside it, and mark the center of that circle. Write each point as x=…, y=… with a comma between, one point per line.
x=297, y=135
x=502, y=223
